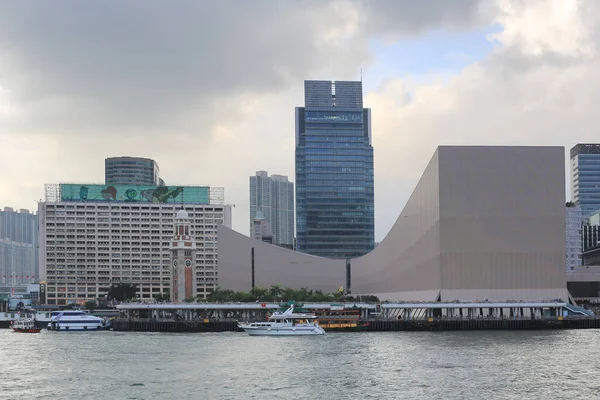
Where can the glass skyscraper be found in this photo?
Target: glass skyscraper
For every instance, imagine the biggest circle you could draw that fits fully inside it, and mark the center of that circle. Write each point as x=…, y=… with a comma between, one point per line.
x=585, y=177
x=334, y=171
x=131, y=170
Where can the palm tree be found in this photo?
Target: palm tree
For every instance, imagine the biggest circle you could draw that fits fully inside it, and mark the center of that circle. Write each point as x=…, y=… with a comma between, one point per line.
x=259, y=293
x=275, y=291
x=220, y=294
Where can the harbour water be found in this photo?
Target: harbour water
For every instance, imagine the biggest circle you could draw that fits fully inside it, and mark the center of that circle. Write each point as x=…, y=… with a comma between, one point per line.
x=375, y=365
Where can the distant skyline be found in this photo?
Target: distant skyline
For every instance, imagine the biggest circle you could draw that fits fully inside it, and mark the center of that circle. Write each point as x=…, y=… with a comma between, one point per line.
x=208, y=90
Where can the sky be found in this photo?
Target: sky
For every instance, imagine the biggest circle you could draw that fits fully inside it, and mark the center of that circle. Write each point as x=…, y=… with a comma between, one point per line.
x=208, y=89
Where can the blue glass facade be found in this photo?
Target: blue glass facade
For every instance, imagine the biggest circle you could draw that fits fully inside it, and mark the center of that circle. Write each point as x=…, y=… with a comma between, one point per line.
x=334, y=172
x=585, y=177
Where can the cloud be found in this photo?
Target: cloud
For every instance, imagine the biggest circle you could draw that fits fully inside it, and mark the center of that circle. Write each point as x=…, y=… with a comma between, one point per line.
x=127, y=66
x=540, y=86
x=208, y=89
x=395, y=18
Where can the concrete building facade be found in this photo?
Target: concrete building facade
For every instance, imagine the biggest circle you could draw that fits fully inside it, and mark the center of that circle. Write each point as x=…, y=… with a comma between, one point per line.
x=19, y=236
x=273, y=197
x=85, y=246
x=17, y=263
x=482, y=223
x=574, y=244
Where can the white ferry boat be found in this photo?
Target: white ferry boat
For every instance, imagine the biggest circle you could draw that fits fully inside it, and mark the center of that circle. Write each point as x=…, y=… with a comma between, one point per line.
x=287, y=323
x=76, y=321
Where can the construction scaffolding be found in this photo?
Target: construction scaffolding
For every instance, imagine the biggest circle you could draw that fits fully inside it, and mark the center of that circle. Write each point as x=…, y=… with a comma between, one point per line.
x=52, y=192
x=216, y=195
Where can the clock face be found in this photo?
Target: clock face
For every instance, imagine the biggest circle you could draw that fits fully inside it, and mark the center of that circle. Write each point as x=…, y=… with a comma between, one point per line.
x=175, y=262
x=188, y=263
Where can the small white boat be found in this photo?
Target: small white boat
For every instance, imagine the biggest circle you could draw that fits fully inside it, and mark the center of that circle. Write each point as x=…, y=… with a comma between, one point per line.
x=76, y=321
x=287, y=323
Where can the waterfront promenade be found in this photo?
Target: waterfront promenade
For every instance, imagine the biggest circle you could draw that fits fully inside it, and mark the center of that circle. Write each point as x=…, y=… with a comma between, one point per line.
x=218, y=317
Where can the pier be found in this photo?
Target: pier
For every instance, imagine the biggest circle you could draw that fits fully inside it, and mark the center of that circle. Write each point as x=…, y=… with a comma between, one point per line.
x=413, y=316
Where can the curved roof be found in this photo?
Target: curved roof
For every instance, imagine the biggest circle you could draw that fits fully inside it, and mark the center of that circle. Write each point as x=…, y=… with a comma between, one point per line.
x=182, y=214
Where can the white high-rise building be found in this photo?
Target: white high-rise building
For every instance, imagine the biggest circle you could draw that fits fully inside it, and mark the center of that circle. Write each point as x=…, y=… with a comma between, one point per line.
x=274, y=197
x=85, y=246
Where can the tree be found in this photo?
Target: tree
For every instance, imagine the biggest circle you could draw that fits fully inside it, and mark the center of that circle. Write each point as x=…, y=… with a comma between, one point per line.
x=291, y=294
x=282, y=294
x=162, y=297
x=91, y=305
x=259, y=293
x=275, y=292
x=121, y=291
x=243, y=297
x=220, y=294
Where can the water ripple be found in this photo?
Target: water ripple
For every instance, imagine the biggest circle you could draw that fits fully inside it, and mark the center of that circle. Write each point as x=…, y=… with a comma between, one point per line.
x=386, y=365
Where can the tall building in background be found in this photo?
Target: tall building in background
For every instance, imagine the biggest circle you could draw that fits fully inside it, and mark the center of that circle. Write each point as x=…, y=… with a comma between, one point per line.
x=260, y=229
x=273, y=196
x=574, y=221
x=585, y=177
x=131, y=171
x=590, y=239
x=334, y=171
x=19, y=262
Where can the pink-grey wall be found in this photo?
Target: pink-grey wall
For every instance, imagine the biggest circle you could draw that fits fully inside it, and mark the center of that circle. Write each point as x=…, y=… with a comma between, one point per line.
x=408, y=259
x=482, y=223
x=273, y=265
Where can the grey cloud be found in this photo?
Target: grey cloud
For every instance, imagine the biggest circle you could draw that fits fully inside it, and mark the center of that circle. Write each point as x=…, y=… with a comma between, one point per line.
x=132, y=66
x=138, y=62
x=409, y=17
x=157, y=74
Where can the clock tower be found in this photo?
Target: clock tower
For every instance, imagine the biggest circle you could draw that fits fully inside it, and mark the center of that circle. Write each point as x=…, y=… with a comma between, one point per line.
x=183, y=259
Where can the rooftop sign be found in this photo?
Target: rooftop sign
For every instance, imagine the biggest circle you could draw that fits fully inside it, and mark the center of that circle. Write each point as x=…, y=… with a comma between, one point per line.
x=135, y=193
